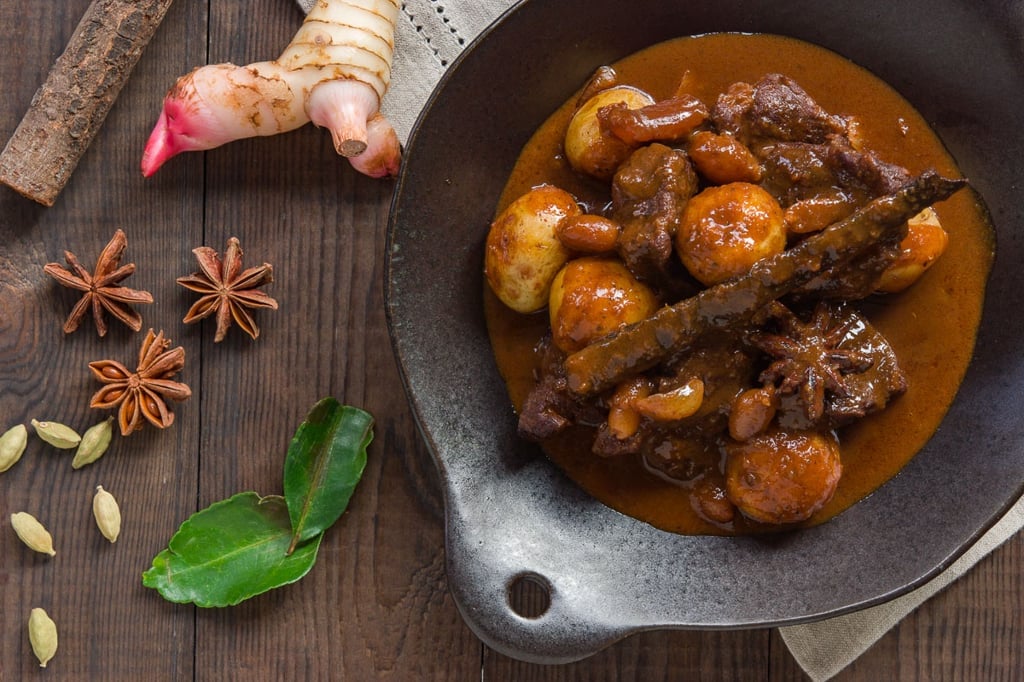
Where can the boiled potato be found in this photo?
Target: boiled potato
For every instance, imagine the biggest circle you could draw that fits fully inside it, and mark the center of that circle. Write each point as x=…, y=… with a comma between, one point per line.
x=523, y=253
x=591, y=297
x=726, y=229
x=924, y=243
x=781, y=477
x=588, y=147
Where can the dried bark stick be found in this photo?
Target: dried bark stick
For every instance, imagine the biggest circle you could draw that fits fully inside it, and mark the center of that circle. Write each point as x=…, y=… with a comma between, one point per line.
x=672, y=329
x=69, y=108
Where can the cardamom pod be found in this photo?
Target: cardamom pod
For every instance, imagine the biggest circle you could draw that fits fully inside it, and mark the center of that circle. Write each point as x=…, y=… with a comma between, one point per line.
x=32, y=533
x=57, y=435
x=42, y=634
x=95, y=442
x=12, y=445
x=107, y=513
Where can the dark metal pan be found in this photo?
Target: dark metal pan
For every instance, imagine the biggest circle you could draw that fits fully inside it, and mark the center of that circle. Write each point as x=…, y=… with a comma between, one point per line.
x=511, y=514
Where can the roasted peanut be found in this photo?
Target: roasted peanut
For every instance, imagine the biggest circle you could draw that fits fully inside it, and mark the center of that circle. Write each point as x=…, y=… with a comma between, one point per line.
x=588, y=233
x=722, y=158
x=751, y=412
x=623, y=419
x=679, y=403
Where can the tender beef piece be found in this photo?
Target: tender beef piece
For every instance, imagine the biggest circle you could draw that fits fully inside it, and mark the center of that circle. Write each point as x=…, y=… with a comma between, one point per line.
x=806, y=153
x=872, y=390
x=678, y=455
x=550, y=408
x=649, y=192
x=607, y=444
x=857, y=280
x=794, y=171
x=774, y=109
x=864, y=167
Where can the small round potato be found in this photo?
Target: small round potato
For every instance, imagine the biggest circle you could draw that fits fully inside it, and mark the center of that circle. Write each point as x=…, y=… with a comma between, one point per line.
x=523, y=253
x=924, y=243
x=591, y=297
x=726, y=229
x=782, y=477
x=589, y=148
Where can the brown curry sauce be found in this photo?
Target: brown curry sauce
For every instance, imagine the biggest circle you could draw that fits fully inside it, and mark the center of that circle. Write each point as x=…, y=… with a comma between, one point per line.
x=931, y=326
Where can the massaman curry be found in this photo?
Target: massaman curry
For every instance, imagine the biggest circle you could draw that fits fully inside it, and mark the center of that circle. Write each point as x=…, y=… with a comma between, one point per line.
x=734, y=284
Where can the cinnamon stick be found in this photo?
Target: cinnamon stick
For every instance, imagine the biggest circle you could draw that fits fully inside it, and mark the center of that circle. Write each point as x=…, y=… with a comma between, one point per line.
x=674, y=328
x=70, y=106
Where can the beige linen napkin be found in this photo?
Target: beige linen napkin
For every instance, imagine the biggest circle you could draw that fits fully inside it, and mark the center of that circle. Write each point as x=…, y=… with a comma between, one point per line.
x=824, y=648
x=429, y=36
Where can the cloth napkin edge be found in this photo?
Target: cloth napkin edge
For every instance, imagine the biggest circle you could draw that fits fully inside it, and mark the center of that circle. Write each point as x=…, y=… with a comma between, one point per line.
x=825, y=648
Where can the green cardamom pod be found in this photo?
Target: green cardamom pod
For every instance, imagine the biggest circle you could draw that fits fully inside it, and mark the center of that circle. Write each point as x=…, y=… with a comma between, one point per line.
x=42, y=634
x=57, y=435
x=95, y=442
x=107, y=513
x=32, y=533
x=12, y=445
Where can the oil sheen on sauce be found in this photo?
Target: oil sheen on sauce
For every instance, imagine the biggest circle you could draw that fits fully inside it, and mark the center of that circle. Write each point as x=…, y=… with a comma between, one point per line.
x=931, y=326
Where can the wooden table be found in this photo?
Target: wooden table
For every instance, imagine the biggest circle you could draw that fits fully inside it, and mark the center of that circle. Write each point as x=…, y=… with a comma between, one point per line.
x=376, y=605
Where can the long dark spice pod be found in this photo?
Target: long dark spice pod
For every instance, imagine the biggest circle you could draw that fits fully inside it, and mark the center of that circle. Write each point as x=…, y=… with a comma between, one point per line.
x=672, y=329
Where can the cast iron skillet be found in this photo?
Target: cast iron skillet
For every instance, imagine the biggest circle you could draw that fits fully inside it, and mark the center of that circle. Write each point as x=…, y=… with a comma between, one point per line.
x=512, y=514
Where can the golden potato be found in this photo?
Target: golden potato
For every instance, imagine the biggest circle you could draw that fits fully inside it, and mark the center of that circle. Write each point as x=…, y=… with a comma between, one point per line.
x=591, y=297
x=781, y=477
x=588, y=147
x=523, y=253
x=726, y=229
x=924, y=243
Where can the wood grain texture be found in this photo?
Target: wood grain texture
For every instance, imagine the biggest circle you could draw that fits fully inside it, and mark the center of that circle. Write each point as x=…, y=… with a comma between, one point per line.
x=376, y=605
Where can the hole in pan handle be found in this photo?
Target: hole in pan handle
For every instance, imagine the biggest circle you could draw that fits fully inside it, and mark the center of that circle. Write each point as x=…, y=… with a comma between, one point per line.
x=521, y=612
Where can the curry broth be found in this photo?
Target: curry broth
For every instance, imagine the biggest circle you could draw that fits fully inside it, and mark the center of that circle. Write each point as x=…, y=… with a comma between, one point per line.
x=931, y=326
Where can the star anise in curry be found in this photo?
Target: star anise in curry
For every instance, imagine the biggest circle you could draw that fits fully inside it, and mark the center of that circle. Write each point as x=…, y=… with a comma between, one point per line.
x=807, y=357
x=100, y=287
x=142, y=394
x=227, y=290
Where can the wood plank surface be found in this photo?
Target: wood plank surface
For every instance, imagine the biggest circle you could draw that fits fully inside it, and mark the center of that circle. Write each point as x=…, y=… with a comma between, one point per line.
x=376, y=605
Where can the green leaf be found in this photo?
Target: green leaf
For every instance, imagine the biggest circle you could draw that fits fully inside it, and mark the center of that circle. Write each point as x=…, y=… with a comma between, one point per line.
x=230, y=551
x=325, y=462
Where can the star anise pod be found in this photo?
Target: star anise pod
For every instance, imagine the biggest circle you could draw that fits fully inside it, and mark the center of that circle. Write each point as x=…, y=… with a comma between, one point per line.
x=99, y=287
x=227, y=290
x=807, y=357
x=144, y=392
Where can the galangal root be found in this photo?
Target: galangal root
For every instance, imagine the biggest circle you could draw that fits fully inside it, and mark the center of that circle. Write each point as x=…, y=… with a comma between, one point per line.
x=334, y=73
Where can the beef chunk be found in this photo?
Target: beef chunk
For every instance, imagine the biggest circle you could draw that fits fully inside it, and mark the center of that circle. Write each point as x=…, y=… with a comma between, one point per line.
x=774, y=109
x=806, y=153
x=795, y=171
x=649, y=192
x=550, y=408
